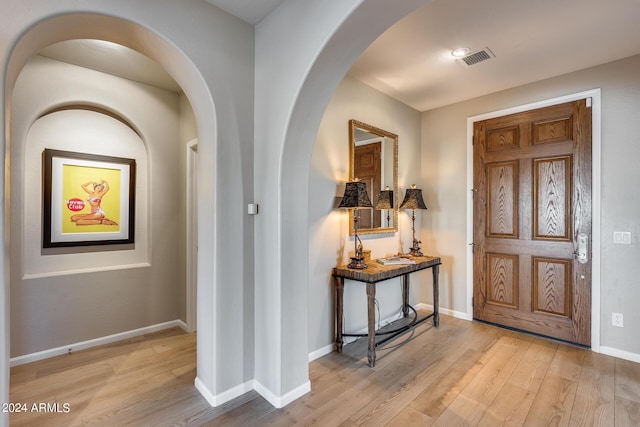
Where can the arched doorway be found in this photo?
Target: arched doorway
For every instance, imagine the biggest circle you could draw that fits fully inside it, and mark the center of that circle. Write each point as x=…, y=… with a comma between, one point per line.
x=291, y=126
x=48, y=29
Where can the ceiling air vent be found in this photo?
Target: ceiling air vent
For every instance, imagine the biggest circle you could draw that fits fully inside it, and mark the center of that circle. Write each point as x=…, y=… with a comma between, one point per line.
x=477, y=57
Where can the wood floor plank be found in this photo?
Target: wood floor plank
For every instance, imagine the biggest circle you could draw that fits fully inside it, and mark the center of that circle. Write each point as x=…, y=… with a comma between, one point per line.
x=509, y=408
x=425, y=368
x=567, y=362
x=437, y=398
x=594, y=403
x=385, y=377
x=627, y=412
x=534, y=365
x=627, y=380
x=503, y=359
x=462, y=373
x=553, y=403
x=463, y=411
x=246, y=414
x=409, y=417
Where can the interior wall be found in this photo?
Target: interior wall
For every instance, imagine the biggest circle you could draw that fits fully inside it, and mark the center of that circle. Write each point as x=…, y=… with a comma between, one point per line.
x=329, y=240
x=316, y=42
x=444, y=163
x=64, y=296
x=188, y=131
x=211, y=55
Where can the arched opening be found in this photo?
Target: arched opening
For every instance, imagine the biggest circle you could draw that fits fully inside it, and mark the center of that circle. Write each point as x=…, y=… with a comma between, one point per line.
x=94, y=26
x=284, y=318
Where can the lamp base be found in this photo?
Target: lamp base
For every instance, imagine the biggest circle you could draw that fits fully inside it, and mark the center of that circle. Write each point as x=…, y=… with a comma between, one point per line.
x=357, y=263
x=415, y=252
x=415, y=249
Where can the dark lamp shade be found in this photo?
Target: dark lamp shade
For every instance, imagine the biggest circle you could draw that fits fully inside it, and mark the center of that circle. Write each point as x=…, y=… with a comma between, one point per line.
x=355, y=196
x=385, y=199
x=413, y=199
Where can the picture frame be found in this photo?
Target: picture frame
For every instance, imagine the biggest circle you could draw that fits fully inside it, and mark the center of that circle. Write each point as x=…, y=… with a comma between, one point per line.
x=88, y=199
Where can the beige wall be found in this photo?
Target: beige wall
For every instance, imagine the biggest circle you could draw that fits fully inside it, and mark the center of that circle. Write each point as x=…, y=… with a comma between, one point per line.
x=211, y=55
x=329, y=240
x=64, y=296
x=444, y=172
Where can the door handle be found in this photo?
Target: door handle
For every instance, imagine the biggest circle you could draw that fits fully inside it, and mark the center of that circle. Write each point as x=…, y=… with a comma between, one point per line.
x=583, y=248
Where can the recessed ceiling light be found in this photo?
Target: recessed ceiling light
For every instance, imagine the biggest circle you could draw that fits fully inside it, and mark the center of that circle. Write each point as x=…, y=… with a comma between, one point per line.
x=460, y=52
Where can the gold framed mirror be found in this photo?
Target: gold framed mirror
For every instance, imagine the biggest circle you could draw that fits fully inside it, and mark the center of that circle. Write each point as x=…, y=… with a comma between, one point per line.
x=373, y=157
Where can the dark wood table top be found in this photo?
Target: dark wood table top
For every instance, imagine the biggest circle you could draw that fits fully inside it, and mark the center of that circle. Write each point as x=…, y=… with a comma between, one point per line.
x=376, y=272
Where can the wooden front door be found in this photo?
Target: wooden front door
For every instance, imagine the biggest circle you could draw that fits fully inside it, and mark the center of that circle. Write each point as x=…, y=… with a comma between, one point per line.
x=366, y=167
x=532, y=221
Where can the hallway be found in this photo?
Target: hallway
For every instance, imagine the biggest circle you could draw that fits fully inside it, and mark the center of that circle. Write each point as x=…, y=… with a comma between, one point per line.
x=463, y=373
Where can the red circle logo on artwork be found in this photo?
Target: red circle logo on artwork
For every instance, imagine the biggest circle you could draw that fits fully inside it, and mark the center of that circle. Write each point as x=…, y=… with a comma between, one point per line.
x=75, y=204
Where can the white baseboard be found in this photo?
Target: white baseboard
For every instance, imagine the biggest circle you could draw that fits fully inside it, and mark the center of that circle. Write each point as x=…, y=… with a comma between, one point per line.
x=277, y=401
x=281, y=401
x=448, y=312
x=45, y=354
x=321, y=352
x=205, y=392
x=621, y=354
x=183, y=326
x=217, y=400
x=381, y=324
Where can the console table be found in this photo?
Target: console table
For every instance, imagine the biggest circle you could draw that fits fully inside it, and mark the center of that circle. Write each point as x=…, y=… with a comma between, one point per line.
x=374, y=273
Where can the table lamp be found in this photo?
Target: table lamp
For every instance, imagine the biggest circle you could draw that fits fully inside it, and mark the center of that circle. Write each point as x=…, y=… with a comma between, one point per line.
x=413, y=200
x=385, y=201
x=356, y=197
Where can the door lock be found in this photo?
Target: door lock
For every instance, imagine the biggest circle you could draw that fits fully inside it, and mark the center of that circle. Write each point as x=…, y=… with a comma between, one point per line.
x=583, y=245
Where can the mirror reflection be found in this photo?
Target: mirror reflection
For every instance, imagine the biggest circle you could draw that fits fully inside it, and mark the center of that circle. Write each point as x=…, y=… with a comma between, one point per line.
x=374, y=160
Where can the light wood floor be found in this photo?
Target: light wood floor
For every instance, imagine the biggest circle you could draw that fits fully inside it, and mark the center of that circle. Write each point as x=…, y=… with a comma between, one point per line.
x=460, y=374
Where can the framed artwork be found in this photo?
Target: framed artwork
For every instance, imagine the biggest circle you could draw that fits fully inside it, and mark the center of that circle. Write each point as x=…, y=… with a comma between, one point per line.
x=88, y=199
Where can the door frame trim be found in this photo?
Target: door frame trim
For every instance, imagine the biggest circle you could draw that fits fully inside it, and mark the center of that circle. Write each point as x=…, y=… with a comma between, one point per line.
x=596, y=112
x=191, y=235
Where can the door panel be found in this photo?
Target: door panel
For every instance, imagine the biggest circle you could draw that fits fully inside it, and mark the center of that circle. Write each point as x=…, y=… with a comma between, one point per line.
x=502, y=279
x=532, y=176
x=367, y=169
x=557, y=130
x=503, y=139
x=552, y=198
x=502, y=211
x=551, y=286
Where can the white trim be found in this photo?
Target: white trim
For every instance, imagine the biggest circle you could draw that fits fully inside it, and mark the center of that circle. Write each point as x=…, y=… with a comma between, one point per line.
x=327, y=349
x=276, y=401
x=620, y=354
x=182, y=325
x=381, y=324
x=28, y=276
x=322, y=351
x=205, y=392
x=58, y=351
x=596, y=114
x=192, y=235
x=446, y=311
x=218, y=399
x=284, y=400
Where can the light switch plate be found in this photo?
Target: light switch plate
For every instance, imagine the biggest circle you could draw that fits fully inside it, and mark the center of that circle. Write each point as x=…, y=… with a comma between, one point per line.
x=622, y=237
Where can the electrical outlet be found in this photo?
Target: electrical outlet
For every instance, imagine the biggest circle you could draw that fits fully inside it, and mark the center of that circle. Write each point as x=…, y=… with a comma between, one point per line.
x=617, y=319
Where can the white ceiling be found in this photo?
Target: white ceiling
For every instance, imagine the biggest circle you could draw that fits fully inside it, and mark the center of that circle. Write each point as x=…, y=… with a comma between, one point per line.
x=531, y=40
x=412, y=62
